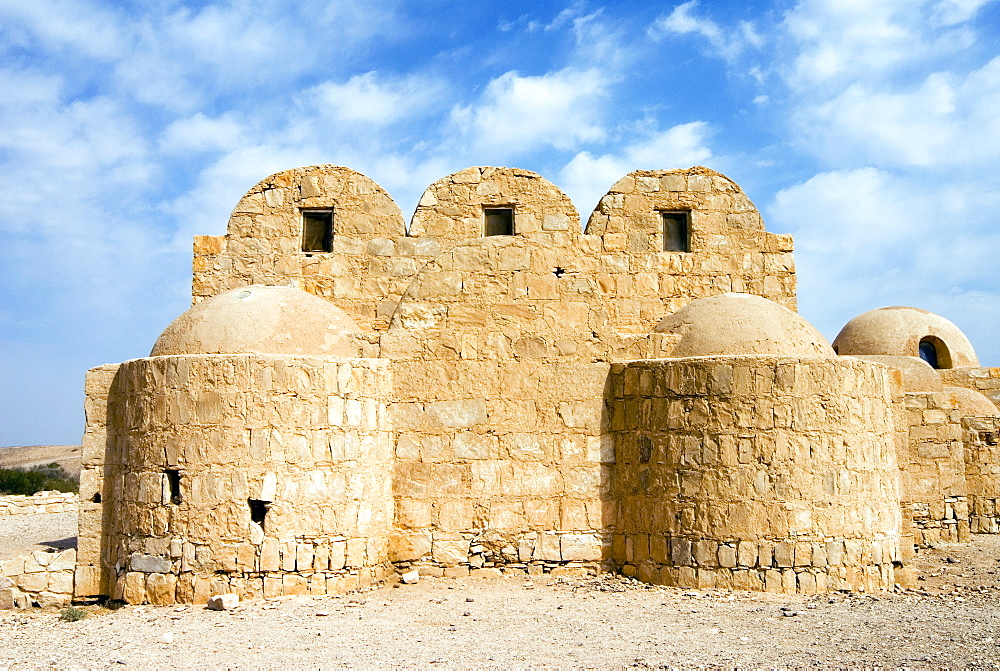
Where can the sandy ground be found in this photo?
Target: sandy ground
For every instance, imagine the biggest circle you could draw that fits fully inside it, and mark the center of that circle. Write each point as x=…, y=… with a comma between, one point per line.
x=21, y=534
x=27, y=456
x=953, y=620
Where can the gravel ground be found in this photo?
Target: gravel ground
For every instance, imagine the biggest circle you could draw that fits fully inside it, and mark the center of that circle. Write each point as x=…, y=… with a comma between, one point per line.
x=951, y=621
x=21, y=534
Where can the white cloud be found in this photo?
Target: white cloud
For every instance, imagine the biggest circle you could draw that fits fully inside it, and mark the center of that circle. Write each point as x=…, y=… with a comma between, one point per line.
x=839, y=42
x=728, y=44
x=868, y=238
x=944, y=120
x=372, y=98
x=587, y=177
x=517, y=113
x=198, y=133
x=78, y=26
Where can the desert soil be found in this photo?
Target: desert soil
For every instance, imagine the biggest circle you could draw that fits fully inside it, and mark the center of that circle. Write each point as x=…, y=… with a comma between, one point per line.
x=952, y=620
x=28, y=456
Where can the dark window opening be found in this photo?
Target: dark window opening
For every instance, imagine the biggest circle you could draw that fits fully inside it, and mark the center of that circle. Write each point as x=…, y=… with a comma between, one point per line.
x=676, y=231
x=174, y=481
x=96, y=498
x=988, y=437
x=258, y=511
x=499, y=220
x=559, y=272
x=934, y=352
x=317, y=230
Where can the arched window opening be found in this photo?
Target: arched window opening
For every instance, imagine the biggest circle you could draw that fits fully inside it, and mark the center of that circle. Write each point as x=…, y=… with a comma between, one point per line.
x=934, y=352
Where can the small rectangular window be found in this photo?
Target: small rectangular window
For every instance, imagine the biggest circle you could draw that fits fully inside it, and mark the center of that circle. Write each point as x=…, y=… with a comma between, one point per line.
x=676, y=231
x=499, y=220
x=317, y=230
x=174, y=483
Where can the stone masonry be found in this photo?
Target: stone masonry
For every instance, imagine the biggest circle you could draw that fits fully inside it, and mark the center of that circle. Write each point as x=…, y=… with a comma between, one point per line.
x=505, y=397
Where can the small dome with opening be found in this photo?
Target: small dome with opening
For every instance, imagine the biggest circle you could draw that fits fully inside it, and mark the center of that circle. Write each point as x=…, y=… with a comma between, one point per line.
x=906, y=331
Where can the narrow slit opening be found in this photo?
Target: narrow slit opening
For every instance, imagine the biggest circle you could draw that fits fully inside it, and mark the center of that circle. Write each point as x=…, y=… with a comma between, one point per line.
x=174, y=482
x=258, y=511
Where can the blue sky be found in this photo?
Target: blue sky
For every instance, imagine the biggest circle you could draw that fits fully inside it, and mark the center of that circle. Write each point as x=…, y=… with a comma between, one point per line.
x=870, y=129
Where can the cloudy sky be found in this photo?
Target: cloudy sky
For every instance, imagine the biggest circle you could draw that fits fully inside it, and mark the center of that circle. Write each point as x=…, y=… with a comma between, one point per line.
x=870, y=129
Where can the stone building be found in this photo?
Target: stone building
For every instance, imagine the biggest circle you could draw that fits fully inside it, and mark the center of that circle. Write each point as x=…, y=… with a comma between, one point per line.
x=496, y=390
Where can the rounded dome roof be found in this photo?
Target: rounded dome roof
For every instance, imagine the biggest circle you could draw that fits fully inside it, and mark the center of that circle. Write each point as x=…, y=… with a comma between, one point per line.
x=917, y=374
x=742, y=325
x=973, y=403
x=900, y=330
x=260, y=320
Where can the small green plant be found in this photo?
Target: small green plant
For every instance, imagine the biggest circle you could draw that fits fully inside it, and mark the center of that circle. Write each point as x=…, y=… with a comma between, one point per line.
x=73, y=614
x=38, y=479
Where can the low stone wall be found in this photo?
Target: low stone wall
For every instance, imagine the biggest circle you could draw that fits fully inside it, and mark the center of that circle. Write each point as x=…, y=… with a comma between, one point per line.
x=40, y=502
x=982, y=472
x=38, y=579
x=934, y=491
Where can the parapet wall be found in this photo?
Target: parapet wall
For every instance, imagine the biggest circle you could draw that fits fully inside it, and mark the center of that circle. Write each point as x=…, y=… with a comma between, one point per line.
x=755, y=473
x=619, y=267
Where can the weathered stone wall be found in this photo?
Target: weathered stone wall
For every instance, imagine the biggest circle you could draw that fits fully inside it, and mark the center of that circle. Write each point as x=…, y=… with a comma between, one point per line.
x=192, y=440
x=499, y=463
x=39, y=502
x=982, y=472
x=935, y=494
x=730, y=250
x=618, y=268
x=451, y=209
x=37, y=579
x=371, y=262
x=984, y=380
x=755, y=473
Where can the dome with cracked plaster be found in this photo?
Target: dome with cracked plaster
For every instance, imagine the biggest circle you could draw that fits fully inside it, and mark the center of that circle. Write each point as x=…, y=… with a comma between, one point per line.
x=260, y=320
x=905, y=331
x=742, y=325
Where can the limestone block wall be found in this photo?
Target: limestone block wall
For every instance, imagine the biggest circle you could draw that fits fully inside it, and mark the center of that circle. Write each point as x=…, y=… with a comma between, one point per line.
x=451, y=209
x=729, y=249
x=371, y=261
x=755, y=473
x=935, y=494
x=255, y=474
x=37, y=579
x=39, y=502
x=982, y=472
x=500, y=463
x=618, y=268
x=984, y=380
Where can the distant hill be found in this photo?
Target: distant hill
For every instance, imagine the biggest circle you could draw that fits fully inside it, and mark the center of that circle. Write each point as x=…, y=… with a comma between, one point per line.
x=26, y=456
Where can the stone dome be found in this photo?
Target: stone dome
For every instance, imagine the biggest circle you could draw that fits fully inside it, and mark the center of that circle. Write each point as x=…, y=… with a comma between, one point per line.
x=260, y=320
x=973, y=403
x=742, y=325
x=917, y=374
x=904, y=331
